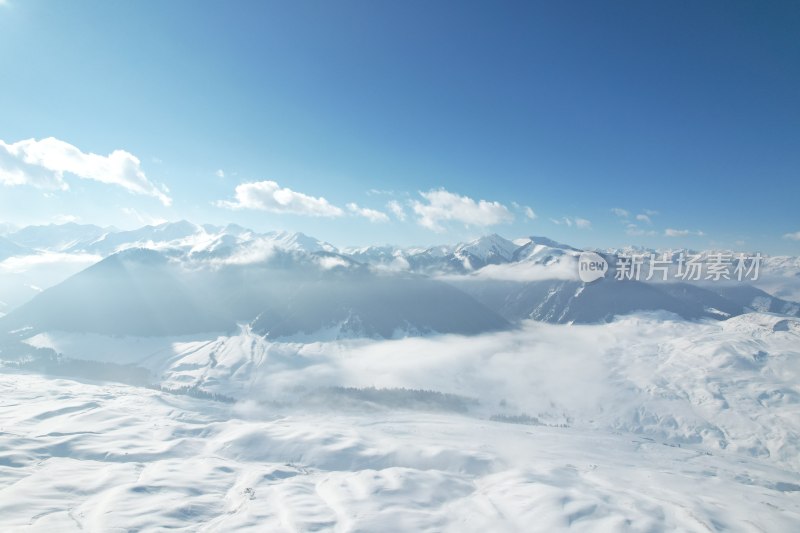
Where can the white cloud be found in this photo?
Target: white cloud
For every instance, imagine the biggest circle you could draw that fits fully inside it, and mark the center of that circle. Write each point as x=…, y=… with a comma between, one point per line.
x=634, y=230
x=256, y=251
x=578, y=222
x=564, y=268
x=65, y=219
x=444, y=206
x=329, y=262
x=44, y=163
x=526, y=210
x=219, y=173
x=669, y=232
x=371, y=214
x=397, y=210
x=380, y=192
x=269, y=196
x=644, y=216
x=792, y=236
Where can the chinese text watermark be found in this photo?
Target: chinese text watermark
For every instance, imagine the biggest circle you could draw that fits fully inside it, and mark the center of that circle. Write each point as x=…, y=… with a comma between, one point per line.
x=689, y=267
x=663, y=267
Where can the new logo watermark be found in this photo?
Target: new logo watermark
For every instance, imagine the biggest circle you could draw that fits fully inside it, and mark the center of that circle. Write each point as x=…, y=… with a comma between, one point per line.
x=591, y=266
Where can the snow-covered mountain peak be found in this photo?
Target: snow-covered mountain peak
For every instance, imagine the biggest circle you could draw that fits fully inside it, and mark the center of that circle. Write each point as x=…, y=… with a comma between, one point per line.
x=299, y=242
x=541, y=250
x=544, y=241
x=489, y=248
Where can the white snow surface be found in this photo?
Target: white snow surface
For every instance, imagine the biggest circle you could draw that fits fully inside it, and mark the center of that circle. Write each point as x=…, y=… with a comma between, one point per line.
x=648, y=423
x=92, y=457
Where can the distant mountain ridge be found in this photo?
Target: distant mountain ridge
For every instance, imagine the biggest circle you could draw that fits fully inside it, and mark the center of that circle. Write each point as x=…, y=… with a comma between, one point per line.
x=185, y=236
x=59, y=237
x=147, y=292
x=185, y=277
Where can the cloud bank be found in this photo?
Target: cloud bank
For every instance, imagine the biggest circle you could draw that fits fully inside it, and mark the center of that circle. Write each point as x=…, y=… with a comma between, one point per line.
x=440, y=206
x=397, y=210
x=44, y=164
x=578, y=222
x=371, y=214
x=269, y=196
x=670, y=232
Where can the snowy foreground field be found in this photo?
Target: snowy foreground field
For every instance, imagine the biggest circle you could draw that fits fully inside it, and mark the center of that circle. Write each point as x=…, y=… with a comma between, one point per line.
x=644, y=424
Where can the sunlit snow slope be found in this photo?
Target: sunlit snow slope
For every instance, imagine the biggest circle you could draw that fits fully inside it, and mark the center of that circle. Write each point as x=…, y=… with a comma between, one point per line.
x=648, y=423
x=76, y=456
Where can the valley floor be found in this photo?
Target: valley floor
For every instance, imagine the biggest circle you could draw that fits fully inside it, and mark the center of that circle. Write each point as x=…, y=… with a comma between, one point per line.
x=104, y=457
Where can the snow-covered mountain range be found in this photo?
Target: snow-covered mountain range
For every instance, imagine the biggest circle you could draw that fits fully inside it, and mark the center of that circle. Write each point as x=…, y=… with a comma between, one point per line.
x=182, y=277
x=233, y=240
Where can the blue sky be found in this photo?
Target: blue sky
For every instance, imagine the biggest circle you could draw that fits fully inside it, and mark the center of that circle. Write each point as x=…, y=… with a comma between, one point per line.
x=662, y=124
